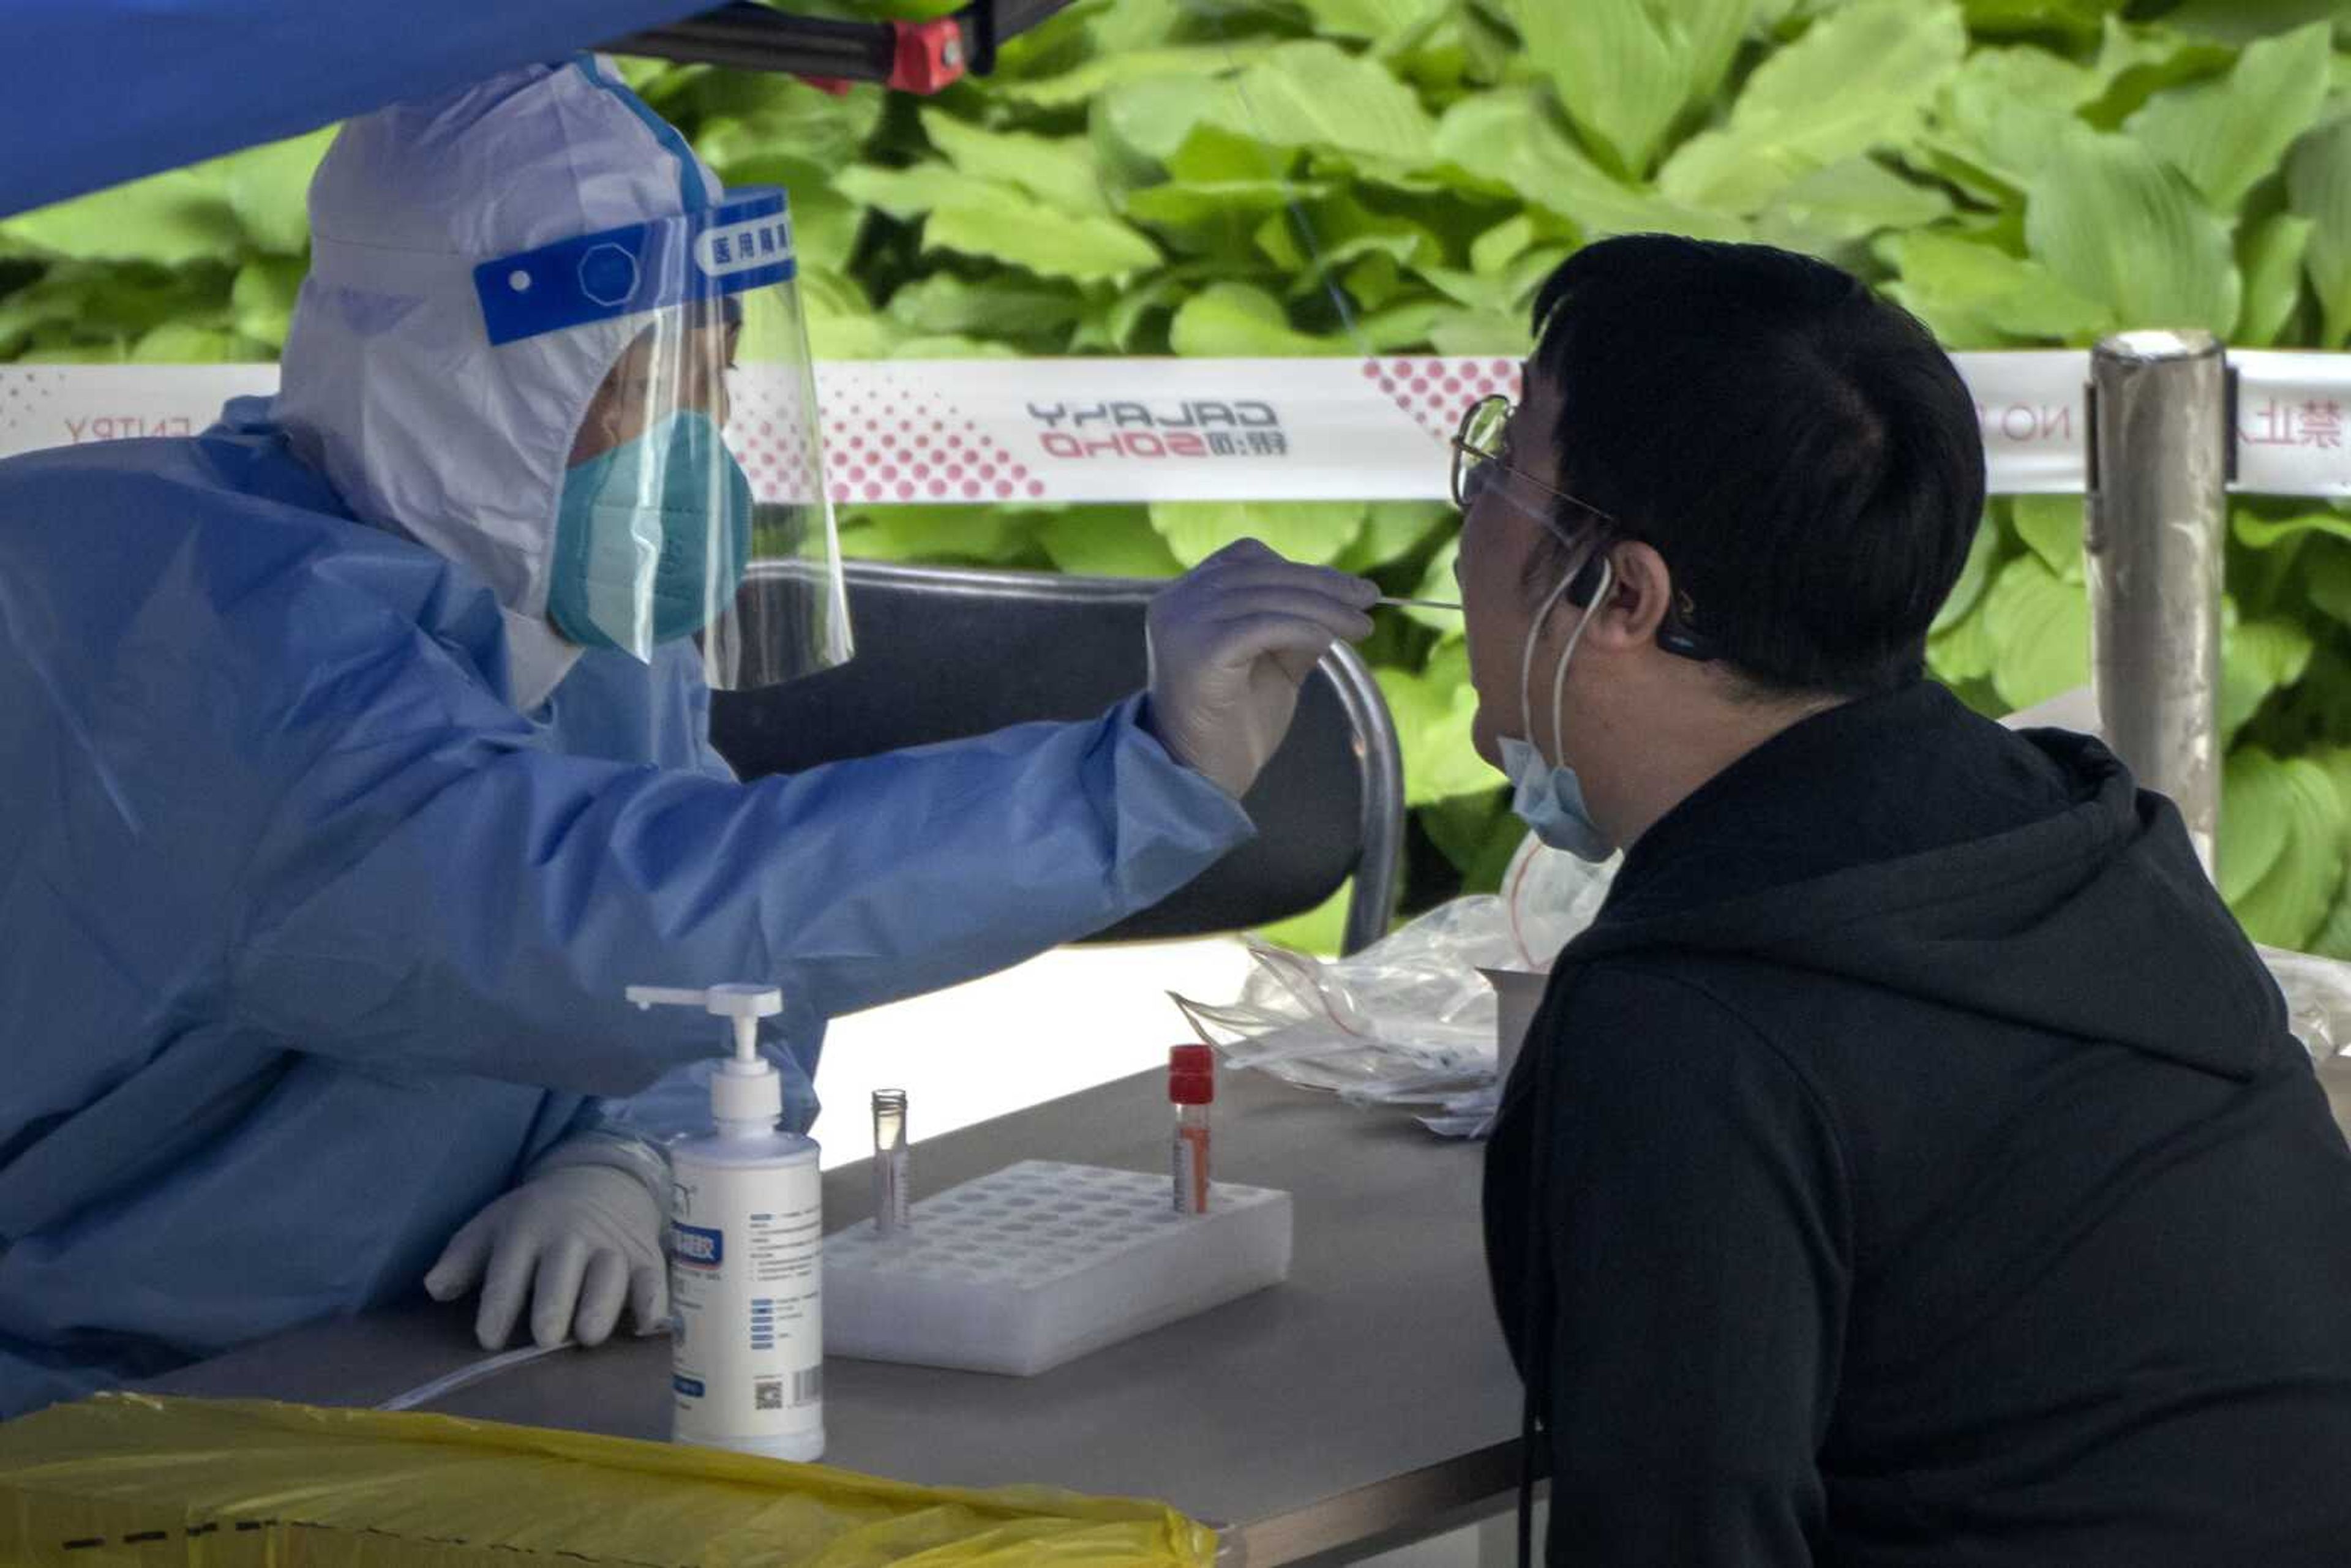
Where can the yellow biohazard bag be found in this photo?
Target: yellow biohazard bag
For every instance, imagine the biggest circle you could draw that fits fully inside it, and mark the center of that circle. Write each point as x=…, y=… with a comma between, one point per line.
x=127, y=1477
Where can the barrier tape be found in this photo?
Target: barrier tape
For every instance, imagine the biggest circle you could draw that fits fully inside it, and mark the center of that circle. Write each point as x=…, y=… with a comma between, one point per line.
x=990, y=432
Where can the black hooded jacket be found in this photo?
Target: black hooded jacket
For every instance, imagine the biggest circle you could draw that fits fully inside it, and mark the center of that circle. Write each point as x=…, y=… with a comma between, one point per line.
x=1911, y=1168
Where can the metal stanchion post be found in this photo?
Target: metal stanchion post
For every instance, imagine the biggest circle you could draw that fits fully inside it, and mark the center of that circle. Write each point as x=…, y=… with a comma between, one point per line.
x=2161, y=450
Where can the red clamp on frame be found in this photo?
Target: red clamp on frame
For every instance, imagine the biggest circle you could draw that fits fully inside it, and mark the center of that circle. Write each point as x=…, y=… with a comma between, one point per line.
x=921, y=58
x=926, y=58
x=930, y=56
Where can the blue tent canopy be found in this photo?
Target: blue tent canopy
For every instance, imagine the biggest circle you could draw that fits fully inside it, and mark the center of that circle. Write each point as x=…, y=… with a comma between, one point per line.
x=99, y=91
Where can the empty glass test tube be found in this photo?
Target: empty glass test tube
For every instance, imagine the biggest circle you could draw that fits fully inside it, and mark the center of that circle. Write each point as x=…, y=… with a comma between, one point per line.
x=890, y=1202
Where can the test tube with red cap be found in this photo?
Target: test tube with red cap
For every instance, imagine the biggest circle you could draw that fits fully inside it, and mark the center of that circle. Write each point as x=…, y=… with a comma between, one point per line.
x=1192, y=1089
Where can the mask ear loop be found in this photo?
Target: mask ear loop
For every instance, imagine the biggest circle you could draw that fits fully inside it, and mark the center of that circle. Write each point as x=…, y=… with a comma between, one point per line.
x=1543, y=617
x=1527, y=659
x=1558, y=677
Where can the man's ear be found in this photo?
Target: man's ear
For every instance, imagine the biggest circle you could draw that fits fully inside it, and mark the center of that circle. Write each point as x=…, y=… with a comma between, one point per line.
x=1639, y=597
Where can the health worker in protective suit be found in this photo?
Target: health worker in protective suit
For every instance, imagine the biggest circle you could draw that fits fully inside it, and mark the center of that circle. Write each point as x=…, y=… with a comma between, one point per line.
x=355, y=757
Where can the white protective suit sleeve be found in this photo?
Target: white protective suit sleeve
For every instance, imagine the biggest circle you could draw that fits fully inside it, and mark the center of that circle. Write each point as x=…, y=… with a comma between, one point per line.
x=444, y=897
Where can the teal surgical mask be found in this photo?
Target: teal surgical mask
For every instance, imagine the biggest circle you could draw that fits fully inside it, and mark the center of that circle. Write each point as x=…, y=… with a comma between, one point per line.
x=651, y=538
x=1547, y=796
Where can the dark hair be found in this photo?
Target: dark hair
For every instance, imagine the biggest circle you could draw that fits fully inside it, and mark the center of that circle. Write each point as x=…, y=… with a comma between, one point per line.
x=1801, y=453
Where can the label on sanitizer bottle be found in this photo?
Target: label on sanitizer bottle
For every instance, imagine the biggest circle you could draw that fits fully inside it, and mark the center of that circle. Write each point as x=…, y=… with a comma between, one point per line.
x=747, y=1280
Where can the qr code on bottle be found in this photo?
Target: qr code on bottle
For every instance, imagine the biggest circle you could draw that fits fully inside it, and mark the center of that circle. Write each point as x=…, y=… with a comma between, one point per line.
x=768, y=1394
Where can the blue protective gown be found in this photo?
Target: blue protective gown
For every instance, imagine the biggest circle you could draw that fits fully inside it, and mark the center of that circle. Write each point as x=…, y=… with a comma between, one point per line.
x=309, y=943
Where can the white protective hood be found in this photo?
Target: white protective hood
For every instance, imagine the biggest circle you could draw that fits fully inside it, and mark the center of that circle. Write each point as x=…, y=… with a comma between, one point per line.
x=391, y=387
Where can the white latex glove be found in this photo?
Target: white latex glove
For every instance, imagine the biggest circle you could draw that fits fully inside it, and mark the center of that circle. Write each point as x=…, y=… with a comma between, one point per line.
x=577, y=1241
x=1231, y=641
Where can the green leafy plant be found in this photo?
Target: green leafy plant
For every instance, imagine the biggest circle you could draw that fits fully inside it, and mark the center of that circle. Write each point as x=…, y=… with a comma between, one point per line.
x=1293, y=177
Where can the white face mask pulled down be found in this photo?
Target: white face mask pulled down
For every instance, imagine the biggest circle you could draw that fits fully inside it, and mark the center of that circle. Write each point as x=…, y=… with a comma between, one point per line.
x=1547, y=796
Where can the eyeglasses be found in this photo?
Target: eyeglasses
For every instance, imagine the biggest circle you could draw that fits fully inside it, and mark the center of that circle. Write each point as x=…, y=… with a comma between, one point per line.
x=1478, y=457
x=1478, y=461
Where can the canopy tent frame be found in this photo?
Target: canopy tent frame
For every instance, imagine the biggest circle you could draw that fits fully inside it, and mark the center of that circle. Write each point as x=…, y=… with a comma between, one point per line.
x=159, y=66
x=921, y=58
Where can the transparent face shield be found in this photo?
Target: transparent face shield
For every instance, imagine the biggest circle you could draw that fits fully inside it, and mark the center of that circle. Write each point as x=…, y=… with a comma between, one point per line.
x=693, y=504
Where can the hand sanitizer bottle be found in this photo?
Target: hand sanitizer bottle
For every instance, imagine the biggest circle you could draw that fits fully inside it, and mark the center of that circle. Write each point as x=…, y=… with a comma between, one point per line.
x=747, y=1253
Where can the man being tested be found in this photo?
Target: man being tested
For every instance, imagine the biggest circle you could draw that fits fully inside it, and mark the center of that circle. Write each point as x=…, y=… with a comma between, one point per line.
x=356, y=758
x=1911, y=1164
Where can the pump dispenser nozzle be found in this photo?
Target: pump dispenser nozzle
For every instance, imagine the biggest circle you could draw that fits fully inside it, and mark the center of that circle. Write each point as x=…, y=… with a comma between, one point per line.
x=746, y=1090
